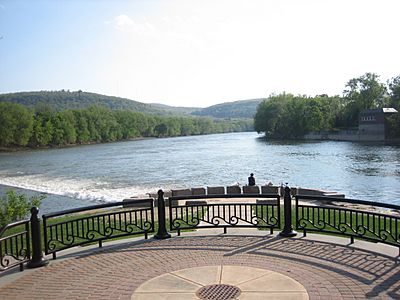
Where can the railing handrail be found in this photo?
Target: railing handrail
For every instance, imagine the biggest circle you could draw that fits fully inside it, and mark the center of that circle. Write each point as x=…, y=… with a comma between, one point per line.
x=17, y=223
x=221, y=204
x=346, y=200
x=226, y=196
x=98, y=206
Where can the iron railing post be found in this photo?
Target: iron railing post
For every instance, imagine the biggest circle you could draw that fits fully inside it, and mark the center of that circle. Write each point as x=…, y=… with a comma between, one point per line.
x=287, y=207
x=37, y=259
x=162, y=232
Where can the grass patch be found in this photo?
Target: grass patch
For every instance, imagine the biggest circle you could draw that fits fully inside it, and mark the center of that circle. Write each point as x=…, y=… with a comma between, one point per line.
x=359, y=224
x=341, y=221
x=186, y=218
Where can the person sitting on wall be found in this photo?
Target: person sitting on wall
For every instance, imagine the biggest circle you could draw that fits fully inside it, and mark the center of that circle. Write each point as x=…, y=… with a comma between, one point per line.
x=252, y=180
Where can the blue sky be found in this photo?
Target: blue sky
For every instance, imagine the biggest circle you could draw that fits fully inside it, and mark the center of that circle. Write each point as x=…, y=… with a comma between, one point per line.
x=196, y=53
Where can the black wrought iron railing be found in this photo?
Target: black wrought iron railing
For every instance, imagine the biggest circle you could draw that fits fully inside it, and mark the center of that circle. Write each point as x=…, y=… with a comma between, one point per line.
x=198, y=212
x=80, y=226
x=335, y=216
x=21, y=242
x=14, y=245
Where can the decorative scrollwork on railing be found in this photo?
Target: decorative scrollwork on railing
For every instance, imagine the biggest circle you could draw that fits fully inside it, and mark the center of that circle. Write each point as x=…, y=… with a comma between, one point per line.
x=88, y=229
x=306, y=223
x=176, y=223
x=350, y=222
x=274, y=221
x=343, y=227
x=108, y=231
x=5, y=261
x=256, y=220
x=14, y=247
x=224, y=215
x=386, y=235
x=234, y=220
x=17, y=258
x=302, y=223
x=361, y=230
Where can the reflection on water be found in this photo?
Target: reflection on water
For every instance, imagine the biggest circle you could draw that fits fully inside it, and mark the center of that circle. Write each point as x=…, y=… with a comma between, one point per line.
x=118, y=170
x=368, y=171
x=366, y=157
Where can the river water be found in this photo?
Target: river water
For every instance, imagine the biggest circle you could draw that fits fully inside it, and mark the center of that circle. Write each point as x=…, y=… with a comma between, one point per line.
x=85, y=175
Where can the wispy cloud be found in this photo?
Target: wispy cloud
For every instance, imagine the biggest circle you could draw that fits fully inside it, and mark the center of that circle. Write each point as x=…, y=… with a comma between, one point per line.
x=123, y=23
x=2, y=7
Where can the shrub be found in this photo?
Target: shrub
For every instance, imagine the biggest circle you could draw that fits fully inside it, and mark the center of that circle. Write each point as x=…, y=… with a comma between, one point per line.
x=14, y=207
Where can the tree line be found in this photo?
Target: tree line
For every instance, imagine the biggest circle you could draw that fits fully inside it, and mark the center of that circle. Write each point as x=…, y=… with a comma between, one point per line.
x=289, y=116
x=41, y=127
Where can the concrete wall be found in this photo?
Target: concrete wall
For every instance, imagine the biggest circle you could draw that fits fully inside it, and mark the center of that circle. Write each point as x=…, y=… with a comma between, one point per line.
x=234, y=189
x=198, y=191
x=270, y=189
x=215, y=190
x=266, y=189
x=351, y=136
x=183, y=192
x=315, y=192
x=251, y=189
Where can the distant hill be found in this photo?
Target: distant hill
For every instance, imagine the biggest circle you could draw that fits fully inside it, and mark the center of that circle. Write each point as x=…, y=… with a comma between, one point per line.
x=237, y=109
x=61, y=100
x=176, y=109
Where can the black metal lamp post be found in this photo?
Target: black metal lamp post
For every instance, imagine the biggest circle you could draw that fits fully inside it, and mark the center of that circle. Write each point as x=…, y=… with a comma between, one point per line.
x=287, y=206
x=37, y=259
x=162, y=232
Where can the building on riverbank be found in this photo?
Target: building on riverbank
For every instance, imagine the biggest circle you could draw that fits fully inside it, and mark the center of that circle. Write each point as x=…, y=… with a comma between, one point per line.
x=372, y=124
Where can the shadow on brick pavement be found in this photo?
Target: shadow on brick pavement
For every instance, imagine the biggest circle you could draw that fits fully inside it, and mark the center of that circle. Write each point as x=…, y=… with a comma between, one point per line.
x=327, y=270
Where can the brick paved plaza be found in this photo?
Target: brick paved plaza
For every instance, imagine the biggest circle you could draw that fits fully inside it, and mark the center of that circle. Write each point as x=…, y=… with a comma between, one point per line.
x=325, y=266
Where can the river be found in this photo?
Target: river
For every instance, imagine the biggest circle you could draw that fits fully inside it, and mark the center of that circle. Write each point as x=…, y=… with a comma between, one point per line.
x=83, y=175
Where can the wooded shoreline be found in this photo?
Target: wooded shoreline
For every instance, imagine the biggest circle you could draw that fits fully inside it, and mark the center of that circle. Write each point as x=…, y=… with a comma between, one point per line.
x=22, y=128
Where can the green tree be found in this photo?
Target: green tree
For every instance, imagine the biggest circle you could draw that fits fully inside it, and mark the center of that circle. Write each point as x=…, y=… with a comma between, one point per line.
x=42, y=129
x=364, y=92
x=64, y=131
x=205, y=125
x=161, y=129
x=313, y=115
x=270, y=113
x=14, y=207
x=15, y=125
x=81, y=127
x=174, y=127
x=128, y=122
x=187, y=126
x=394, y=92
x=287, y=116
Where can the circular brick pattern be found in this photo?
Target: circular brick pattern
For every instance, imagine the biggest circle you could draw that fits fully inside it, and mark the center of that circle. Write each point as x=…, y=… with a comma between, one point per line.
x=326, y=270
x=218, y=292
x=224, y=282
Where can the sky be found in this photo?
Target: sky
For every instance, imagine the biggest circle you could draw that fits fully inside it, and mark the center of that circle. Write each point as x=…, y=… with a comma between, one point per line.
x=196, y=52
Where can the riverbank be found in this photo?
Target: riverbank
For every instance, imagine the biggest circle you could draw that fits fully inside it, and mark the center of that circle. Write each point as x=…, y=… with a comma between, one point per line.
x=26, y=148
x=349, y=136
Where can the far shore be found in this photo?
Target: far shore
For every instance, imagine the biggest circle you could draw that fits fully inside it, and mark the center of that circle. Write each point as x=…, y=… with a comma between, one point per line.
x=22, y=149
x=27, y=148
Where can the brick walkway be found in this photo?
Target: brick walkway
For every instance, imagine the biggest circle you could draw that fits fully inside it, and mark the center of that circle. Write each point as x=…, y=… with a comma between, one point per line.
x=326, y=270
